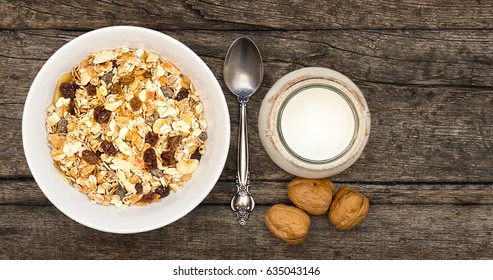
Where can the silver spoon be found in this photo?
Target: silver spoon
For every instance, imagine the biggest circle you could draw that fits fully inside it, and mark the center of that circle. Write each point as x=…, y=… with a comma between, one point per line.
x=243, y=74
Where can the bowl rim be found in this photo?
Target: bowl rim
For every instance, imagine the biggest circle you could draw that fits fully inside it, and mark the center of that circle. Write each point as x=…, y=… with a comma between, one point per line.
x=36, y=173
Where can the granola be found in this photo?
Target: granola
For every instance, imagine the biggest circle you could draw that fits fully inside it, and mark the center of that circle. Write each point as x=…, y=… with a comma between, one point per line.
x=126, y=127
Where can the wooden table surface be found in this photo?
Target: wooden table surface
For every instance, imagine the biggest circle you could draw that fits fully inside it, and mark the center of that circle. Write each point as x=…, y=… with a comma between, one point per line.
x=425, y=68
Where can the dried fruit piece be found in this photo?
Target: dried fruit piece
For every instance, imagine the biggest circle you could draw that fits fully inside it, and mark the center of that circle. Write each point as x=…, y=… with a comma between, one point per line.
x=120, y=191
x=71, y=107
x=139, y=188
x=108, y=148
x=288, y=223
x=348, y=209
x=91, y=89
x=168, y=158
x=174, y=142
x=90, y=157
x=312, y=195
x=150, y=119
x=196, y=155
x=187, y=166
x=135, y=103
x=127, y=80
x=61, y=126
x=146, y=199
x=182, y=94
x=203, y=136
x=68, y=90
x=167, y=92
x=102, y=115
x=64, y=78
x=116, y=88
x=151, y=138
x=163, y=191
x=108, y=77
x=150, y=158
x=156, y=172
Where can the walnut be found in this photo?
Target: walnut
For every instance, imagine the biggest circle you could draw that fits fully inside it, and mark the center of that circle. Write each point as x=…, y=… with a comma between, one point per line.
x=348, y=209
x=287, y=223
x=312, y=195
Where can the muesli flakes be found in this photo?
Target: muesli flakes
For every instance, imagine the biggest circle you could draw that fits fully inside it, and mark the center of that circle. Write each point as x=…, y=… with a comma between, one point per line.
x=126, y=128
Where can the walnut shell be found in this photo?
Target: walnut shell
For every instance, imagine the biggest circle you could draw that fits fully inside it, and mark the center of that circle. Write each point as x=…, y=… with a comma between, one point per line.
x=348, y=209
x=312, y=195
x=287, y=223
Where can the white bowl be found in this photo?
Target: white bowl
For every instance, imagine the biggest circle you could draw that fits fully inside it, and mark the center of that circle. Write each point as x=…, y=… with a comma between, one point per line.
x=75, y=204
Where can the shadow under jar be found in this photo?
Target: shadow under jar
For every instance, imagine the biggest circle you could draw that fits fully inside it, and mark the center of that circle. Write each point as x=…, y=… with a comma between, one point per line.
x=314, y=122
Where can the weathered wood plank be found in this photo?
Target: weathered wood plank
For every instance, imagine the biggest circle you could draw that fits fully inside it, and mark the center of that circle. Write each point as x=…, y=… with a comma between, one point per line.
x=86, y=15
x=430, y=104
x=354, y=14
x=424, y=58
x=26, y=192
x=219, y=15
x=209, y=232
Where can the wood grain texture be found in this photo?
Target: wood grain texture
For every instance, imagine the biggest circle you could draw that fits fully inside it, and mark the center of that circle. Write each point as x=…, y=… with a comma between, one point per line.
x=210, y=231
x=86, y=15
x=270, y=14
x=460, y=58
x=26, y=192
x=353, y=14
x=430, y=113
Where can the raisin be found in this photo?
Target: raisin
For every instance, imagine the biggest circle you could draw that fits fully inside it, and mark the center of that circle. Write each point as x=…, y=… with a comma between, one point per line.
x=68, y=90
x=167, y=92
x=61, y=126
x=147, y=198
x=102, y=115
x=71, y=107
x=108, y=77
x=157, y=173
x=203, y=136
x=139, y=188
x=182, y=94
x=174, y=142
x=152, y=118
x=150, y=158
x=127, y=80
x=168, y=158
x=162, y=191
x=135, y=103
x=90, y=157
x=116, y=88
x=151, y=138
x=120, y=191
x=108, y=148
x=91, y=89
x=196, y=155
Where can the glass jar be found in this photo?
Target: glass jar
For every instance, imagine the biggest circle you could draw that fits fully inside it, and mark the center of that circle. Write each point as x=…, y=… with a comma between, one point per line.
x=314, y=122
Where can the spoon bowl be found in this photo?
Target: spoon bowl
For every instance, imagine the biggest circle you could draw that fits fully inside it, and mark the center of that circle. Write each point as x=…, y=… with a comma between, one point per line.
x=243, y=67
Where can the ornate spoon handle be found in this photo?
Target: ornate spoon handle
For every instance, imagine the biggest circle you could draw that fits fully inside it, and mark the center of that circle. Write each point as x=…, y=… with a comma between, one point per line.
x=242, y=202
